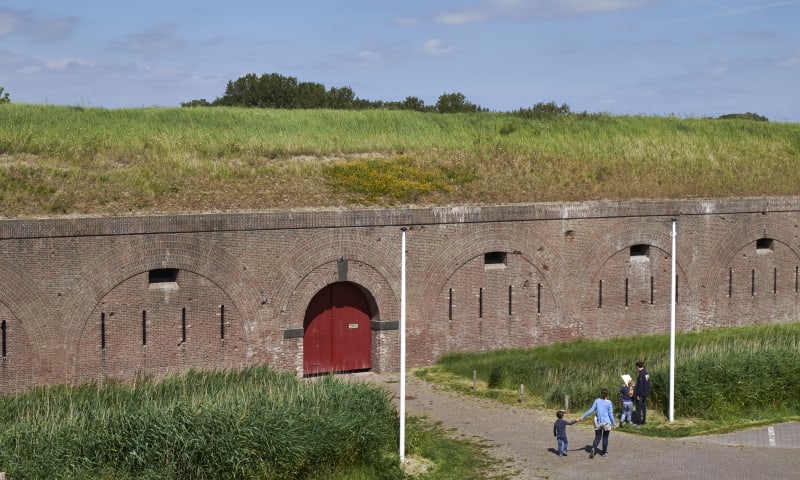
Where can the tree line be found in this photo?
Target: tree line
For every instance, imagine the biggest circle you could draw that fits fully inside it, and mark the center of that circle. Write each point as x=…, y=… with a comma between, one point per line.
x=272, y=90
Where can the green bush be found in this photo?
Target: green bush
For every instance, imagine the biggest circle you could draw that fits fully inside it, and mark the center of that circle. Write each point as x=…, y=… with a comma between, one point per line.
x=496, y=376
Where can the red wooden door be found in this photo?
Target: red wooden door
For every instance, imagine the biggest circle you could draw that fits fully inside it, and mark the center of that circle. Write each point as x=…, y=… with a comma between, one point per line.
x=337, y=334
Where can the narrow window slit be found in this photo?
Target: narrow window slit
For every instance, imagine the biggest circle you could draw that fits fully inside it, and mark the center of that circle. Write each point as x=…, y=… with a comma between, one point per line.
x=510, y=301
x=222, y=322
x=600, y=295
x=730, y=283
x=450, y=306
x=144, y=327
x=183, y=325
x=538, y=298
x=775, y=281
x=626, y=292
x=3, y=329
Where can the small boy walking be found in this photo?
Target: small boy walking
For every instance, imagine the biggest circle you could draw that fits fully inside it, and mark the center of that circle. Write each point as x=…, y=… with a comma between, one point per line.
x=560, y=432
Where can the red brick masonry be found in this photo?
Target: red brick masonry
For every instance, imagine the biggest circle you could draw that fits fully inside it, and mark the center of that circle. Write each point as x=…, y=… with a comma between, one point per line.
x=93, y=298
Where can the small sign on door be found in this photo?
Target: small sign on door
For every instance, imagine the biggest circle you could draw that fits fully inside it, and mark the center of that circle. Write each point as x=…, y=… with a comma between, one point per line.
x=353, y=325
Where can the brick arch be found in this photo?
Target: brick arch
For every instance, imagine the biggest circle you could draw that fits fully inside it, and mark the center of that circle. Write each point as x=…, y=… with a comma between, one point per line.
x=738, y=236
x=142, y=254
x=311, y=265
x=534, y=250
x=26, y=302
x=622, y=234
x=27, y=309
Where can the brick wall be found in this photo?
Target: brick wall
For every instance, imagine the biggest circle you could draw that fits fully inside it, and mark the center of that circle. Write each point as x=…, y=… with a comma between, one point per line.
x=79, y=302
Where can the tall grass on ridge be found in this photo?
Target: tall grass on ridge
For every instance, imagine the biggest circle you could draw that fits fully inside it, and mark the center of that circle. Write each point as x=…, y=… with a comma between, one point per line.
x=74, y=160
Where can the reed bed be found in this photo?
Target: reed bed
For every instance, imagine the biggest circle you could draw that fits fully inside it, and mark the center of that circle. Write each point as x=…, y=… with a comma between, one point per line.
x=72, y=160
x=724, y=376
x=254, y=423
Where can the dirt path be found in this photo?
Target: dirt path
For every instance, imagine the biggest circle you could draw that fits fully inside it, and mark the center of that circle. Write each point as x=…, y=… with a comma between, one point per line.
x=524, y=438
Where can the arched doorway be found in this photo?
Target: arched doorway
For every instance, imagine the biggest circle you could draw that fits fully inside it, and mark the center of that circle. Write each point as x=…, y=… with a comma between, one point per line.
x=337, y=335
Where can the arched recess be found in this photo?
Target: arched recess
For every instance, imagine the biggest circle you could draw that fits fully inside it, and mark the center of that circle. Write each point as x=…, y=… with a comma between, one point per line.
x=461, y=305
x=29, y=331
x=138, y=255
x=149, y=327
x=747, y=287
x=634, y=296
x=337, y=336
x=329, y=256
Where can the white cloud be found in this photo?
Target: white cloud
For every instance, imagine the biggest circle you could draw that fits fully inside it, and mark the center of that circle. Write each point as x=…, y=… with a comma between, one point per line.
x=23, y=22
x=461, y=16
x=155, y=40
x=489, y=9
x=791, y=60
x=405, y=21
x=437, y=48
x=29, y=66
x=9, y=22
x=368, y=57
x=69, y=64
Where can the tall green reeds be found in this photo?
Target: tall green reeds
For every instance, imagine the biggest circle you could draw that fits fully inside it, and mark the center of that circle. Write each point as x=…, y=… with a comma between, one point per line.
x=725, y=375
x=250, y=424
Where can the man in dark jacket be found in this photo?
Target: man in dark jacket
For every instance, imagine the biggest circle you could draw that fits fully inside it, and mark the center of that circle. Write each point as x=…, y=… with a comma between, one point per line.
x=641, y=391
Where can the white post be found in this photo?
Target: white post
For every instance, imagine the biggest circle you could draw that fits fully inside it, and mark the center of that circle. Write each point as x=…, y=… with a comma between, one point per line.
x=403, y=348
x=672, y=331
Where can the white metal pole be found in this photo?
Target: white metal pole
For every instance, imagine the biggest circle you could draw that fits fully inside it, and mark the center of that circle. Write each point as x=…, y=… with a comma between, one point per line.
x=403, y=348
x=672, y=332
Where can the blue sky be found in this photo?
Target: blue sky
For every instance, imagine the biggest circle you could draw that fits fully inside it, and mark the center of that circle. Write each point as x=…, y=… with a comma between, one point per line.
x=691, y=58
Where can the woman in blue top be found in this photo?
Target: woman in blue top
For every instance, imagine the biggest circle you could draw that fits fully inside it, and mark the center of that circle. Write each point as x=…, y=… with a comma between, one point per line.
x=604, y=422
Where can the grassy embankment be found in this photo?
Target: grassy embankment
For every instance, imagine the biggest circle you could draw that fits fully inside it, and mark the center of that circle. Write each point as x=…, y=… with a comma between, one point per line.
x=725, y=379
x=73, y=160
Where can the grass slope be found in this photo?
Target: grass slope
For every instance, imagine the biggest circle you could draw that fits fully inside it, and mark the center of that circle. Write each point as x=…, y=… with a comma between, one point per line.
x=58, y=160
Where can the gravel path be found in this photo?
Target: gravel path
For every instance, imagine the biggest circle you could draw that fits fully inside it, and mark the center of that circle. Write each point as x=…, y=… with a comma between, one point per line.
x=523, y=438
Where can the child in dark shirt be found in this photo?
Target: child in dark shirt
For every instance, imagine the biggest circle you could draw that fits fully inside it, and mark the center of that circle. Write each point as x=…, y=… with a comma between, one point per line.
x=560, y=432
x=626, y=393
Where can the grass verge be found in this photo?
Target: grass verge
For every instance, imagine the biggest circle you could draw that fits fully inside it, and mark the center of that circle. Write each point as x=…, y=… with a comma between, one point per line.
x=725, y=379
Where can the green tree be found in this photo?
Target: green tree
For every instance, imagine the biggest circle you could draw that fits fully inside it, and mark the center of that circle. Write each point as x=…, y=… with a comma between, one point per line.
x=341, y=98
x=310, y=95
x=196, y=103
x=544, y=110
x=242, y=92
x=4, y=96
x=744, y=116
x=277, y=91
x=454, y=103
x=413, y=103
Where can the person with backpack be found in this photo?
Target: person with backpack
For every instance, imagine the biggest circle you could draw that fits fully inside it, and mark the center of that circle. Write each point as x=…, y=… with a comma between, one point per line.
x=603, y=422
x=641, y=392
